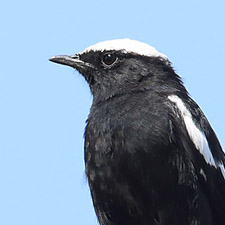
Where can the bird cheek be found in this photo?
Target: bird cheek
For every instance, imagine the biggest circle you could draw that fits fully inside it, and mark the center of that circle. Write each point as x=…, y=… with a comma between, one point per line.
x=138, y=70
x=134, y=68
x=133, y=72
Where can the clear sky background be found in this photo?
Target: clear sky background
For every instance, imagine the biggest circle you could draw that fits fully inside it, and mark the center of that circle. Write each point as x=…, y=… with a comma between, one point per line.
x=43, y=106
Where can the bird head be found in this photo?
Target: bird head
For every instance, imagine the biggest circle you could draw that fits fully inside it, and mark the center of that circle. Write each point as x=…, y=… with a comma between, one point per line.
x=121, y=66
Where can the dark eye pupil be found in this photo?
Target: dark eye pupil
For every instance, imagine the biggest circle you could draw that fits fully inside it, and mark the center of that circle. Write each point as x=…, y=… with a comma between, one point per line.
x=109, y=59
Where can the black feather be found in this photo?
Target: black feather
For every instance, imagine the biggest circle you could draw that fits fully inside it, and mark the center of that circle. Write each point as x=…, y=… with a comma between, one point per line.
x=142, y=165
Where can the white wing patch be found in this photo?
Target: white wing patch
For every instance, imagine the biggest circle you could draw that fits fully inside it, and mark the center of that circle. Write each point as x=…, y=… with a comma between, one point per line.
x=221, y=166
x=196, y=135
x=126, y=46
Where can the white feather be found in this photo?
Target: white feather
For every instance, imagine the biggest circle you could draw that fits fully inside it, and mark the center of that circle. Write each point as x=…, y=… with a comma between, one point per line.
x=126, y=46
x=221, y=166
x=196, y=135
x=203, y=173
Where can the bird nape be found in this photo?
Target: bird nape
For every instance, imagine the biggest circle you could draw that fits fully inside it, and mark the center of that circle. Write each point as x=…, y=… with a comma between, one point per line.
x=151, y=156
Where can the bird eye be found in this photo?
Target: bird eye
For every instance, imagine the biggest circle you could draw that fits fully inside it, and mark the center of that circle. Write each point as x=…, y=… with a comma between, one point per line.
x=109, y=59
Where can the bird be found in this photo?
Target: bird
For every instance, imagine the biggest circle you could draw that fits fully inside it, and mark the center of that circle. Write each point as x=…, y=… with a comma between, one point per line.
x=151, y=155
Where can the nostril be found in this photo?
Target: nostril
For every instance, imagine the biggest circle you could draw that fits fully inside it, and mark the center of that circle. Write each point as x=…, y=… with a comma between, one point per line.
x=76, y=56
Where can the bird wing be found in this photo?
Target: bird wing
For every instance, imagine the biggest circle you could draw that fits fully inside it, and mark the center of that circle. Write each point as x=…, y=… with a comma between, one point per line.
x=200, y=143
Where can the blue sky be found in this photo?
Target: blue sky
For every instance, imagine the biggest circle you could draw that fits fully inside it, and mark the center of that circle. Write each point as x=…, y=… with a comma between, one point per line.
x=43, y=106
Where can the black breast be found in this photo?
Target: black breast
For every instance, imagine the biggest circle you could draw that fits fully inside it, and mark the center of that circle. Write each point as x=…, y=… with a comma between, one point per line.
x=136, y=171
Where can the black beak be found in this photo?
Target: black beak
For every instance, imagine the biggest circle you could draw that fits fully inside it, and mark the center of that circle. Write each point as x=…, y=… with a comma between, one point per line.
x=71, y=60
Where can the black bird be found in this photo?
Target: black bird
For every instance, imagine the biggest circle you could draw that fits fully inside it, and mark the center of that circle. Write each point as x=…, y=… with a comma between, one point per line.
x=151, y=156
